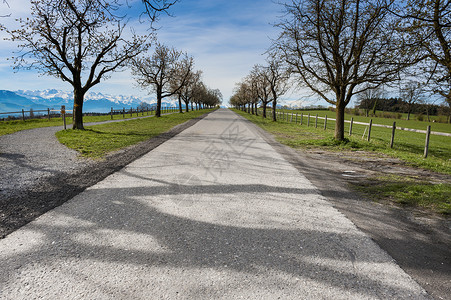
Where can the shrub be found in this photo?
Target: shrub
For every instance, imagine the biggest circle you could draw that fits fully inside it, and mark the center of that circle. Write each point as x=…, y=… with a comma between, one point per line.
x=420, y=117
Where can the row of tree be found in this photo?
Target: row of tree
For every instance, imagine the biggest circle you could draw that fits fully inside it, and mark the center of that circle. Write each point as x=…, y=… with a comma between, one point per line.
x=342, y=49
x=84, y=41
x=265, y=84
x=170, y=73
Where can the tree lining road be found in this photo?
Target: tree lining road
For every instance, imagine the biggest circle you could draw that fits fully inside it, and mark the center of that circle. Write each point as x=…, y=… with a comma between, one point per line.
x=214, y=212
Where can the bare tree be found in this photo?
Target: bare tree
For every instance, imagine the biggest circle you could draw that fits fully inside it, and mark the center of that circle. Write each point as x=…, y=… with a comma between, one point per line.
x=188, y=91
x=77, y=41
x=5, y=3
x=242, y=96
x=336, y=46
x=368, y=98
x=412, y=93
x=158, y=71
x=262, y=86
x=277, y=75
x=182, y=76
x=153, y=8
x=427, y=27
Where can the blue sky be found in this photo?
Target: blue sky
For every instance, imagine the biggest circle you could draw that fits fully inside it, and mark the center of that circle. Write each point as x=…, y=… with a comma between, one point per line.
x=225, y=37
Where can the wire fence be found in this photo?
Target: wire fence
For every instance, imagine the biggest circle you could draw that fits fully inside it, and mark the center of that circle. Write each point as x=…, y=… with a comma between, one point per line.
x=415, y=139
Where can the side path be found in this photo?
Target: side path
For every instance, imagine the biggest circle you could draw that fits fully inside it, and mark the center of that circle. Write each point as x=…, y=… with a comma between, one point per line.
x=38, y=173
x=213, y=213
x=29, y=156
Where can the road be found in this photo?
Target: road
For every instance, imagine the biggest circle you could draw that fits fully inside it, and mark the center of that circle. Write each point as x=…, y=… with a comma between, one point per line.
x=213, y=213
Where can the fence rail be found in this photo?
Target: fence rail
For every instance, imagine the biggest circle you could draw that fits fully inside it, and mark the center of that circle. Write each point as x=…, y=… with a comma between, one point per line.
x=63, y=112
x=289, y=117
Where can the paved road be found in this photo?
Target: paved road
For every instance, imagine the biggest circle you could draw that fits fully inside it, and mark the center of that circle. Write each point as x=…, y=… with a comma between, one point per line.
x=214, y=213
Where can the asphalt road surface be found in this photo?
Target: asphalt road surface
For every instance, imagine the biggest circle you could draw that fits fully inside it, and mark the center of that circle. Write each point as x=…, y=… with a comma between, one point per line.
x=213, y=213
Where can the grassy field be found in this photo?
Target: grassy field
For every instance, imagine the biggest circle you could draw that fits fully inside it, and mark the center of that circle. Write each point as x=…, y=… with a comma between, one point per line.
x=97, y=140
x=408, y=147
x=412, y=123
x=8, y=127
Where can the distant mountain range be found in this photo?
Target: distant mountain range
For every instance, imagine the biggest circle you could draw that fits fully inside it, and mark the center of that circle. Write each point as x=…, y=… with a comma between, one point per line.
x=13, y=101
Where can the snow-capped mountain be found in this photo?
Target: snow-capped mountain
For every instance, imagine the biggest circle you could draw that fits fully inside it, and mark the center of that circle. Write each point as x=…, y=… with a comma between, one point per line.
x=11, y=101
x=52, y=96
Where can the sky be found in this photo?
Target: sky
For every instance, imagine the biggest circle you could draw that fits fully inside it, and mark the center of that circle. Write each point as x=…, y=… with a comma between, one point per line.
x=225, y=37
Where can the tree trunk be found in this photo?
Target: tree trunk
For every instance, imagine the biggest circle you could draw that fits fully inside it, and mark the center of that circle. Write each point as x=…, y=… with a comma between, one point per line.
x=274, y=105
x=340, y=121
x=158, y=110
x=252, y=107
x=256, y=109
x=187, y=106
x=180, y=105
x=264, y=110
x=78, y=109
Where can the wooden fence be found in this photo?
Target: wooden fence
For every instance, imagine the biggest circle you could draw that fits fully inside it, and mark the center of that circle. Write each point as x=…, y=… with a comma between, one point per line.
x=63, y=112
x=290, y=117
x=31, y=112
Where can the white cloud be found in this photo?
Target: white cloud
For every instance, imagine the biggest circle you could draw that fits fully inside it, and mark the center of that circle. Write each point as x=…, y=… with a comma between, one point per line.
x=226, y=38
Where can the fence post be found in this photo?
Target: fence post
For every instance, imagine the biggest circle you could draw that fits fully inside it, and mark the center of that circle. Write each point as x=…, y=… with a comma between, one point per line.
x=308, y=120
x=63, y=113
x=350, y=126
x=426, y=146
x=316, y=121
x=48, y=113
x=369, y=129
x=131, y=112
x=23, y=115
x=111, y=113
x=393, y=135
x=123, y=112
x=302, y=116
x=325, y=123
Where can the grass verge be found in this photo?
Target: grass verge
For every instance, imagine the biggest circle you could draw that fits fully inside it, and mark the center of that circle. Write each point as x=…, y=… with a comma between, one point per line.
x=403, y=191
x=98, y=140
x=408, y=146
x=8, y=127
x=409, y=192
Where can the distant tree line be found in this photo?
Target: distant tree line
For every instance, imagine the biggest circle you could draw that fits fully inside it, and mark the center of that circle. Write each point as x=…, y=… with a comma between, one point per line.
x=398, y=105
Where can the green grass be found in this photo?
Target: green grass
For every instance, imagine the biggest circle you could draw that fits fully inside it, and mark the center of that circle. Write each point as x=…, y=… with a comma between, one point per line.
x=412, y=123
x=412, y=193
x=8, y=127
x=98, y=140
x=408, y=146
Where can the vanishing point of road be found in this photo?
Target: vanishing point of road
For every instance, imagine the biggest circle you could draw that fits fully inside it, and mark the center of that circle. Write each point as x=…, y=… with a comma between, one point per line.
x=213, y=213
